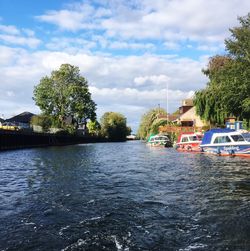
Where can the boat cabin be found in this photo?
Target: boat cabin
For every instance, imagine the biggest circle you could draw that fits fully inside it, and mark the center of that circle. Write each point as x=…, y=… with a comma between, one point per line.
x=222, y=136
x=189, y=141
x=225, y=142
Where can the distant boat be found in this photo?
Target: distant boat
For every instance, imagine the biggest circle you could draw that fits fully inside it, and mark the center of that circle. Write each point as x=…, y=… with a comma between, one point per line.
x=189, y=142
x=225, y=142
x=159, y=141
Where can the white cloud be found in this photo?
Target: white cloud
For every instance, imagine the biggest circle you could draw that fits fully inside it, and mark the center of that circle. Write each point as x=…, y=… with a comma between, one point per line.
x=197, y=20
x=11, y=35
x=10, y=94
x=111, y=79
x=77, y=17
x=171, y=45
x=212, y=48
x=70, y=20
x=10, y=29
x=70, y=45
x=133, y=46
x=155, y=79
x=132, y=96
x=18, y=40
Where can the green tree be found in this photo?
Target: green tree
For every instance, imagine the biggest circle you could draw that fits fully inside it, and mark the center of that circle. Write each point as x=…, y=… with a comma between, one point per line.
x=94, y=127
x=209, y=101
x=65, y=94
x=150, y=122
x=238, y=47
x=114, y=126
x=228, y=90
x=42, y=120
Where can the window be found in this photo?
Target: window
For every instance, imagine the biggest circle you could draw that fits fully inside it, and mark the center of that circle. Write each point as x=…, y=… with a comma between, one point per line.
x=237, y=138
x=184, y=139
x=193, y=138
x=222, y=139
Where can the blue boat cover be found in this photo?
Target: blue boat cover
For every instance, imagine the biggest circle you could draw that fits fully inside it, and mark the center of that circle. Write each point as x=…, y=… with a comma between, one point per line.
x=208, y=135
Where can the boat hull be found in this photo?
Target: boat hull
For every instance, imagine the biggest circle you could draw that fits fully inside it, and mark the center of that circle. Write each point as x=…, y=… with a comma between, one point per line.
x=227, y=150
x=189, y=147
x=160, y=144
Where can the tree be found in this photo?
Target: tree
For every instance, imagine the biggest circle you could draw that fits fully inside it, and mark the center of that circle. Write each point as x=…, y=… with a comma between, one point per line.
x=238, y=47
x=65, y=94
x=42, y=120
x=114, y=126
x=228, y=90
x=209, y=101
x=149, y=122
x=94, y=127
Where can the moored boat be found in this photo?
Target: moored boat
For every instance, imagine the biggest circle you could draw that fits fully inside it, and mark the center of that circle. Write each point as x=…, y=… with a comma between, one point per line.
x=189, y=142
x=159, y=141
x=225, y=142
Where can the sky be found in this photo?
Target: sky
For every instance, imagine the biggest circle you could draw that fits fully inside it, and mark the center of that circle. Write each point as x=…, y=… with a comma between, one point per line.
x=135, y=54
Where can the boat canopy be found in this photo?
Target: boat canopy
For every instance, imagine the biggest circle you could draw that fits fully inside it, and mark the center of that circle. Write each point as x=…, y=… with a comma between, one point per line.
x=209, y=134
x=158, y=136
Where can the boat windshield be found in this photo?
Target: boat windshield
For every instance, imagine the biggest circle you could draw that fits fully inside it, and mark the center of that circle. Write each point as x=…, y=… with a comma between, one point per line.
x=158, y=138
x=222, y=139
x=246, y=136
x=161, y=138
x=193, y=138
x=237, y=138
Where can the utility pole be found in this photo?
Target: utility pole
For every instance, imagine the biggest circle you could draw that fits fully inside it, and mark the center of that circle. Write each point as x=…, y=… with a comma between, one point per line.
x=167, y=101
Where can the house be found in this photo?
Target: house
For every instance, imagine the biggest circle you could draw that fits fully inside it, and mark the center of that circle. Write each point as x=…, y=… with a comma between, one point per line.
x=1, y=121
x=169, y=117
x=186, y=104
x=190, y=118
x=21, y=120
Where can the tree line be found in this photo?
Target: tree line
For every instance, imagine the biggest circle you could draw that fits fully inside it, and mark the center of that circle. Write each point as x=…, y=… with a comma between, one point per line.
x=66, y=103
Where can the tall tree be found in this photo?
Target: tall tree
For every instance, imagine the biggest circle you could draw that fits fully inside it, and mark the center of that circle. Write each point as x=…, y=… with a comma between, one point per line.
x=149, y=122
x=238, y=47
x=65, y=94
x=228, y=90
x=114, y=126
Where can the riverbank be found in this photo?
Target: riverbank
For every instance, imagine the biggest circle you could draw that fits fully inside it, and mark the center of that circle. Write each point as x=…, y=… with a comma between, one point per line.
x=10, y=140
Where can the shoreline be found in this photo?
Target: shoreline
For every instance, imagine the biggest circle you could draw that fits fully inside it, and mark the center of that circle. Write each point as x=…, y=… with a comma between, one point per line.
x=13, y=140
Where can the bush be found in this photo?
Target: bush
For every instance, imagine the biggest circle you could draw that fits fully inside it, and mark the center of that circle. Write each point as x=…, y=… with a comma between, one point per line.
x=42, y=120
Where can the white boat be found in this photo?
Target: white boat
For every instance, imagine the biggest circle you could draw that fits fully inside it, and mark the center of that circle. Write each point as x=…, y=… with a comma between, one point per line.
x=225, y=142
x=159, y=141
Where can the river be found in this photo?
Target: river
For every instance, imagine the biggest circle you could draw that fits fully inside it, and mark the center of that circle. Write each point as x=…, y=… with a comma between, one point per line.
x=123, y=196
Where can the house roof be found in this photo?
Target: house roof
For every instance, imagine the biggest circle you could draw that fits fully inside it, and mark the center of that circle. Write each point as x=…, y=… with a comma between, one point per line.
x=170, y=117
x=24, y=117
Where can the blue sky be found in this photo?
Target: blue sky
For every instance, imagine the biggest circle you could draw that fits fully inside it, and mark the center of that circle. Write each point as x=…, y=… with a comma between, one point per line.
x=128, y=50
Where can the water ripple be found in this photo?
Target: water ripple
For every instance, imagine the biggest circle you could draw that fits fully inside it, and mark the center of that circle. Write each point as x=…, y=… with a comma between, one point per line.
x=123, y=196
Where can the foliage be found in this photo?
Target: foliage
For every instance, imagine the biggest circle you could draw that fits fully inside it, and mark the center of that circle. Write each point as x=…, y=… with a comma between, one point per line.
x=177, y=112
x=228, y=90
x=114, y=126
x=94, y=127
x=149, y=122
x=156, y=123
x=42, y=120
x=65, y=94
x=45, y=121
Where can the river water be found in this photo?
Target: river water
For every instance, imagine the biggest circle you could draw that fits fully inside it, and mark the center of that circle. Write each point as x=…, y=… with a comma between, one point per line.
x=123, y=196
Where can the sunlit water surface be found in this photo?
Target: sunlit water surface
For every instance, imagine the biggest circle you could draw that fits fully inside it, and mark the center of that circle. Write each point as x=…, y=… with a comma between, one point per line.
x=123, y=196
